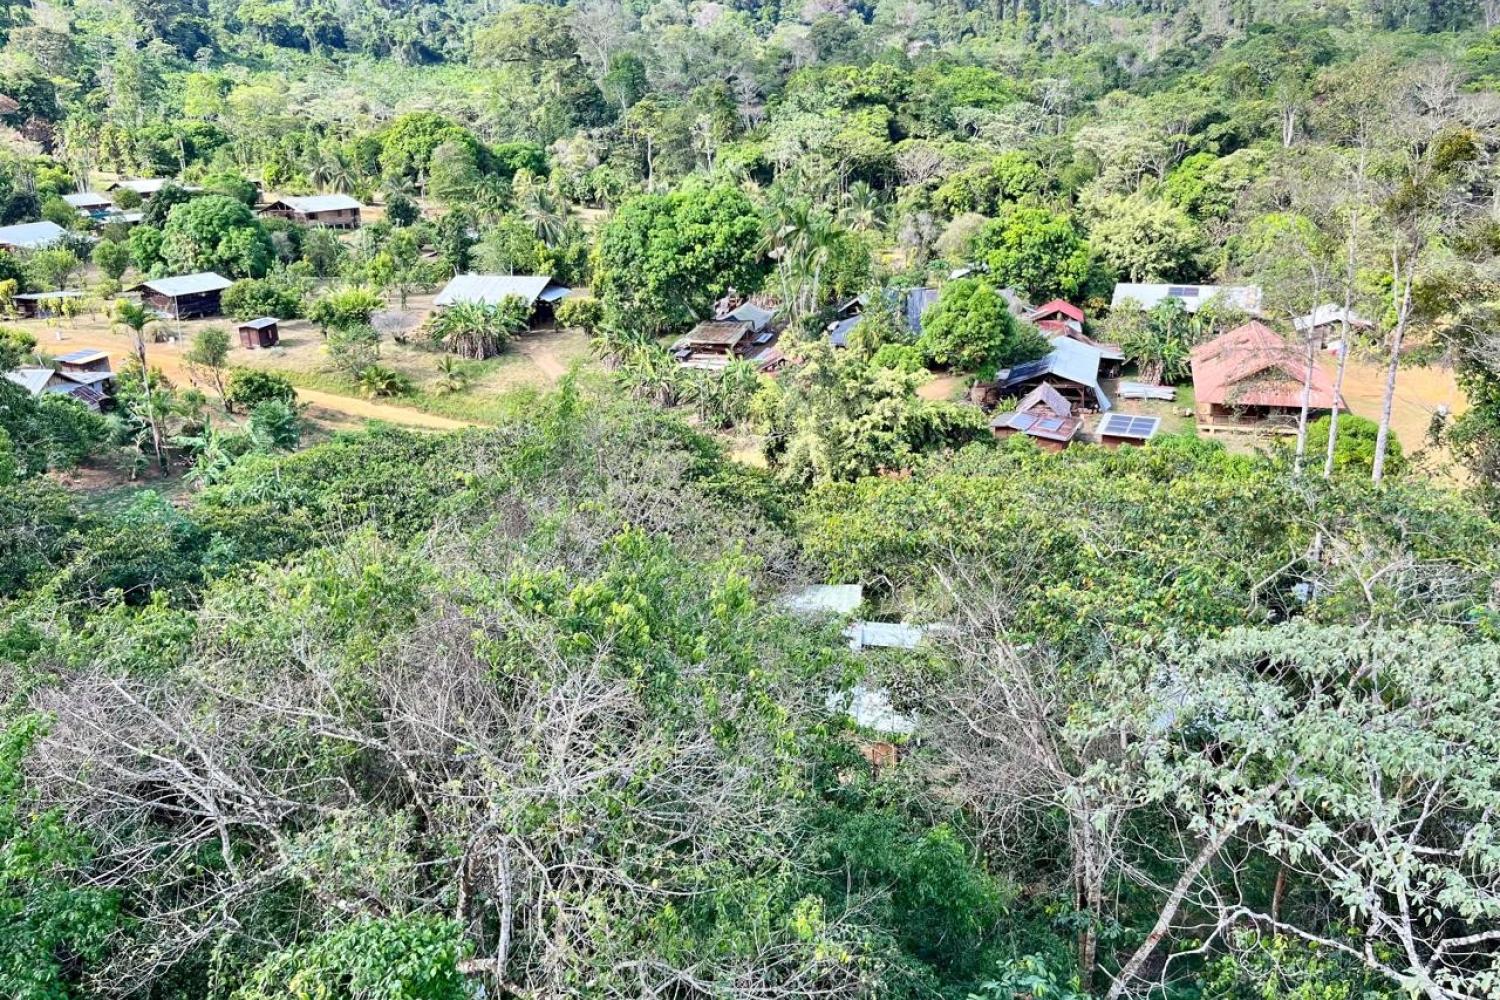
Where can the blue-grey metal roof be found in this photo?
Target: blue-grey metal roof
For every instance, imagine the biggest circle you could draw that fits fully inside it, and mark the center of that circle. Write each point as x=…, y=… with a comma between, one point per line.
x=838, y=331
x=319, y=203
x=1078, y=363
x=31, y=235
x=918, y=301
x=188, y=284
x=489, y=289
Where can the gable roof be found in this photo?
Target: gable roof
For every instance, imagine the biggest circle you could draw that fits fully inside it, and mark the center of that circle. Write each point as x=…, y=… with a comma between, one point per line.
x=718, y=333
x=1045, y=395
x=749, y=312
x=31, y=235
x=1193, y=297
x=1057, y=307
x=1252, y=365
x=187, y=284
x=305, y=204
x=33, y=380
x=87, y=199
x=489, y=289
x=1070, y=360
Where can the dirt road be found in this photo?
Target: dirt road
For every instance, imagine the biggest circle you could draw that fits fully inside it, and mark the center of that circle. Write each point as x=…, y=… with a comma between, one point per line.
x=344, y=411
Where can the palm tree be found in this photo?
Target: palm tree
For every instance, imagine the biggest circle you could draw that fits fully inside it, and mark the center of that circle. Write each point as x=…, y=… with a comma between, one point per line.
x=135, y=317
x=543, y=208
x=333, y=171
x=861, y=208
x=451, y=377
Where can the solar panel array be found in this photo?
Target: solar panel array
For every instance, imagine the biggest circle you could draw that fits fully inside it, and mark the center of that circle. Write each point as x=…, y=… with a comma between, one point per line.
x=1129, y=425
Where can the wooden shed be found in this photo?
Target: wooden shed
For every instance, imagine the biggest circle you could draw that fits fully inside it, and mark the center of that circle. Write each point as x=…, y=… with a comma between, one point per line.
x=185, y=296
x=39, y=305
x=263, y=332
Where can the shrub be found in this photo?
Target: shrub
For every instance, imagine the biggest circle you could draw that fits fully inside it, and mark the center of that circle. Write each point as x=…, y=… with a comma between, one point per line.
x=255, y=297
x=249, y=387
x=378, y=380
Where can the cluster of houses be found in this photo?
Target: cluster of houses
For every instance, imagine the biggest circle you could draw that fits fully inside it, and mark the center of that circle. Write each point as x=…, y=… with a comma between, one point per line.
x=1247, y=379
x=337, y=211
x=84, y=376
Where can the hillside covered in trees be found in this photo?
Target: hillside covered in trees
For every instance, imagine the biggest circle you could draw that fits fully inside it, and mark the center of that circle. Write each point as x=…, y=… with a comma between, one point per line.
x=557, y=705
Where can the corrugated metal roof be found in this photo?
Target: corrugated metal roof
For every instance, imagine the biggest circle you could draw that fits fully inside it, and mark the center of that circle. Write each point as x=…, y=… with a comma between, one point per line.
x=884, y=635
x=555, y=293
x=489, y=289
x=82, y=357
x=871, y=708
x=262, y=323
x=1327, y=315
x=1192, y=297
x=1252, y=365
x=826, y=599
x=188, y=284
x=918, y=301
x=753, y=314
x=31, y=235
x=318, y=203
x=87, y=199
x=839, y=330
x=33, y=380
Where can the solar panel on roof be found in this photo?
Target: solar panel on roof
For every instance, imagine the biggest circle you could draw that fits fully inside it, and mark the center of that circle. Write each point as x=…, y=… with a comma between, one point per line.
x=1183, y=291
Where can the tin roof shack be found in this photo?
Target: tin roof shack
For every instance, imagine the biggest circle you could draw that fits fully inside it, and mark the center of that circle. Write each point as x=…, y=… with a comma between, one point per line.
x=1251, y=379
x=1126, y=428
x=84, y=361
x=185, y=296
x=31, y=235
x=338, y=211
x=90, y=204
x=1246, y=298
x=540, y=293
x=715, y=343
x=910, y=304
x=41, y=305
x=1326, y=323
x=260, y=333
x=1059, y=318
x=1072, y=370
x=1044, y=416
x=91, y=388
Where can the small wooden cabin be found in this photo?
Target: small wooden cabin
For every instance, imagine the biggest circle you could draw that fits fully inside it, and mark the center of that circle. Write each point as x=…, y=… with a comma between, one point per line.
x=185, y=296
x=338, y=211
x=1044, y=415
x=40, y=305
x=260, y=333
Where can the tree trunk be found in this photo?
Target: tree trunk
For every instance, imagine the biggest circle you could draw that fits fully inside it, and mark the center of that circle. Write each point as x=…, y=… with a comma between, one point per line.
x=140, y=353
x=1307, y=381
x=1388, y=403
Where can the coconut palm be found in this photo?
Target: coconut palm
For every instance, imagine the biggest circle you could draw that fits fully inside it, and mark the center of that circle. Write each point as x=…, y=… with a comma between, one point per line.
x=333, y=171
x=135, y=317
x=451, y=376
x=861, y=209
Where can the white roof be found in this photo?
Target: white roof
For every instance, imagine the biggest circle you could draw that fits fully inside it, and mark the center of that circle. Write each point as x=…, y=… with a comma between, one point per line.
x=1326, y=315
x=825, y=599
x=143, y=186
x=319, y=203
x=86, y=199
x=31, y=235
x=188, y=284
x=872, y=709
x=1192, y=297
x=489, y=289
x=884, y=635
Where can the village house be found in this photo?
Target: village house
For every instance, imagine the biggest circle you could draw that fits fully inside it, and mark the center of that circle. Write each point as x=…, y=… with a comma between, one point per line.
x=84, y=376
x=337, y=211
x=1059, y=318
x=540, y=293
x=1245, y=298
x=1252, y=379
x=911, y=305
x=1071, y=369
x=31, y=235
x=90, y=204
x=1044, y=416
x=1326, y=324
x=185, y=296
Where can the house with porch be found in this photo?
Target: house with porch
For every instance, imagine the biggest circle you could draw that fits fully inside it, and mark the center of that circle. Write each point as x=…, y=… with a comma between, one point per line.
x=1251, y=379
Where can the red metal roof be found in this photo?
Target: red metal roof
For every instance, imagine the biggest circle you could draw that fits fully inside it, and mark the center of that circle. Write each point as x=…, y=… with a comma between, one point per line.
x=1057, y=307
x=1252, y=365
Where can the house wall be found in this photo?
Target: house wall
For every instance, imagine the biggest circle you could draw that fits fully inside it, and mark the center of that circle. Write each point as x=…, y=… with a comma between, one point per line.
x=346, y=218
x=185, y=306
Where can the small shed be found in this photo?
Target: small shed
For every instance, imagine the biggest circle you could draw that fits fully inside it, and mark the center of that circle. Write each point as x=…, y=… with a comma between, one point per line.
x=1127, y=428
x=185, y=296
x=338, y=211
x=258, y=333
x=1044, y=416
